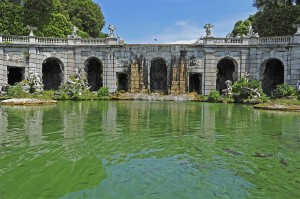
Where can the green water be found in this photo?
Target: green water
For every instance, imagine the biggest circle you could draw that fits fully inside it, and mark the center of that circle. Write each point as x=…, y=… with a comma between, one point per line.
x=148, y=150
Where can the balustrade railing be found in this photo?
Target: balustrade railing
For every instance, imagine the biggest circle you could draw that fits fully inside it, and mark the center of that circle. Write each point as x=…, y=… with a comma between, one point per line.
x=15, y=39
x=95, y=41
x=50, y=40
x=228, y=40
x=274, y=40
x=109, y=41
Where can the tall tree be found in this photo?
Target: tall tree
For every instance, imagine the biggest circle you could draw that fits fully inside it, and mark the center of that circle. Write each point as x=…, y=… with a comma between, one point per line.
x=86, y=15
x=11, y=15
x=241, y=28
x=277, y=22
x=37, y=13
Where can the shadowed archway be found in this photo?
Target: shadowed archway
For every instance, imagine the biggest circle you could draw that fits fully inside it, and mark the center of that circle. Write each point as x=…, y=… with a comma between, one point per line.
x=158, y=76
x=52, y=70
x=272, y=72
x=15, y=75
x=226, y=69
x=94, y=70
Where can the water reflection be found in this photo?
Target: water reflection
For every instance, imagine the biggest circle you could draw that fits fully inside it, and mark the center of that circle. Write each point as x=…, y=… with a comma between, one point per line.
x=95, y=147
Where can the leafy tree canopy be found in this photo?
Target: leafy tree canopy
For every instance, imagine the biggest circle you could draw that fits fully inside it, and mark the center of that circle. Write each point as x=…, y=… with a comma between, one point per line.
x=53, y=18
x=11, y=15
x=242, y=27
x=273, y=18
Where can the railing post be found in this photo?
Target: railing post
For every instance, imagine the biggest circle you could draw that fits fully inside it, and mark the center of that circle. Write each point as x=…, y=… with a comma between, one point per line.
x=245, y=40
x=32, y=39
x=111, y=40
x=0, y=38
x=71, y=41
x=253, y=40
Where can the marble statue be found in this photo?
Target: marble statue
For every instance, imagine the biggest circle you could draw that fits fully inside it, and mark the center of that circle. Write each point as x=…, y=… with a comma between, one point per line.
x=208, y=28
x=111, y=29
x=31, y=28
x=298, y=87
x=228, y=91
x=35, y=82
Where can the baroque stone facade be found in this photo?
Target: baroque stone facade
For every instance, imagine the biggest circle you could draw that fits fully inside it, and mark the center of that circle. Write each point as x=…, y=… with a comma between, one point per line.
x=140, y=68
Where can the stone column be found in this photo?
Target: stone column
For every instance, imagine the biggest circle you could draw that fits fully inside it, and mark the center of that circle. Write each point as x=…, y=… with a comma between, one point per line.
x=244, y=64
x=254, y=66
x=109, y=72
x=33, y=61
x=210, y=71
x=3, y=72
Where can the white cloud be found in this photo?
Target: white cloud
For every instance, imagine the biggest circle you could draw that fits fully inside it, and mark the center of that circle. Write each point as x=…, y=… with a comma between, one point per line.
x=185, y=31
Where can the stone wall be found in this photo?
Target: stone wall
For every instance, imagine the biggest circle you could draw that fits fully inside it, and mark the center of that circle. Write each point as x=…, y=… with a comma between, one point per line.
x=135, y=60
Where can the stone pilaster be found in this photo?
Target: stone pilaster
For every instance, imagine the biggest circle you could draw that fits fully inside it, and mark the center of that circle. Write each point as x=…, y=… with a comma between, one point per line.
x=244, y=64
x=210, y=72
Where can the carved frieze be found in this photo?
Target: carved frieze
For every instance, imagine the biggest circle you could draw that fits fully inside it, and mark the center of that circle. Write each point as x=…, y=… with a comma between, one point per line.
x=194, y=62
x=14, y=57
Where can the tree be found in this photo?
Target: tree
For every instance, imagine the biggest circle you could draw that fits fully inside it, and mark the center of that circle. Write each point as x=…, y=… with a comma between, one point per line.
x=241, y=27
x=11, y=15
x=37, y=13
x=53, y=18
x=85, y=15
x=272, y=4
x=277, y=22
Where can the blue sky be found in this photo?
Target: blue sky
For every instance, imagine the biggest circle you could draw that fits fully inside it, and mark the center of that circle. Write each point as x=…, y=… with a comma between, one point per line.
x=172, y=21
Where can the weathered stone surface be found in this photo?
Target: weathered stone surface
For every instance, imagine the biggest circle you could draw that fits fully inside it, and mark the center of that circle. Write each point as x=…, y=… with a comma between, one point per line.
x=134, y=60
x=27, y=102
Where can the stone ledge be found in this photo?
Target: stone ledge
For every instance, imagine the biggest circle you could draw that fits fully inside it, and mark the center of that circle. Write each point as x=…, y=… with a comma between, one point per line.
x=277, y=107
x=26, y=102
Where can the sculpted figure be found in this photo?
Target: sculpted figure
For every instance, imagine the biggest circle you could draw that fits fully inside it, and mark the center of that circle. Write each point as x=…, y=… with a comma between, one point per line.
x=208, y=28
x=228, y=91
x=111, y=29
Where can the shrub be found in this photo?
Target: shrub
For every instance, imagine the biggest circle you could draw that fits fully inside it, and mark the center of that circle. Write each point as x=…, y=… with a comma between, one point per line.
x=103, y=92
x=244, y=90
x=214, y=96
x=16, y=91
x=284, y=90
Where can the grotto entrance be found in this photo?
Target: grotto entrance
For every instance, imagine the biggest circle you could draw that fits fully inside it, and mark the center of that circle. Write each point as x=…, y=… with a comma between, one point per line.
x=94, y=69
x=15, y=75
x=226, y=68
x=273, y=75
x=195, y=82
x=158, y=76
x=52, y=70
x=122, y=82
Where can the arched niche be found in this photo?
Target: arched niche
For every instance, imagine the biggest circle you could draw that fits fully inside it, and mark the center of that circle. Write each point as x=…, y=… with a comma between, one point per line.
x=158, y=76
x=272, y=74
x=122, y=80
x=52, y=70
x=94, y=71
x=227, y=70
x=15, y=75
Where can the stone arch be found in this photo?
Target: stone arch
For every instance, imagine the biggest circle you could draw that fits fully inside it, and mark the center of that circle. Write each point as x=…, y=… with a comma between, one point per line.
x=52, y=70
x=94, y=72
x=159, y=75
x=227, y=70
x=271, y=74
x=15, y=75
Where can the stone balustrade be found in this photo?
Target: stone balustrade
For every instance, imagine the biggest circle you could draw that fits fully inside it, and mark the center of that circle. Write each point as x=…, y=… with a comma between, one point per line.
x=8, y=39
x=275, y=40
x=93, y=41
x=4, y=39
x=14, y=39
x=51, y=40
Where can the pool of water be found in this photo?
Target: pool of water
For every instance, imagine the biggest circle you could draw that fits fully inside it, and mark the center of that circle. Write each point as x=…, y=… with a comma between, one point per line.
x=135, y=149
